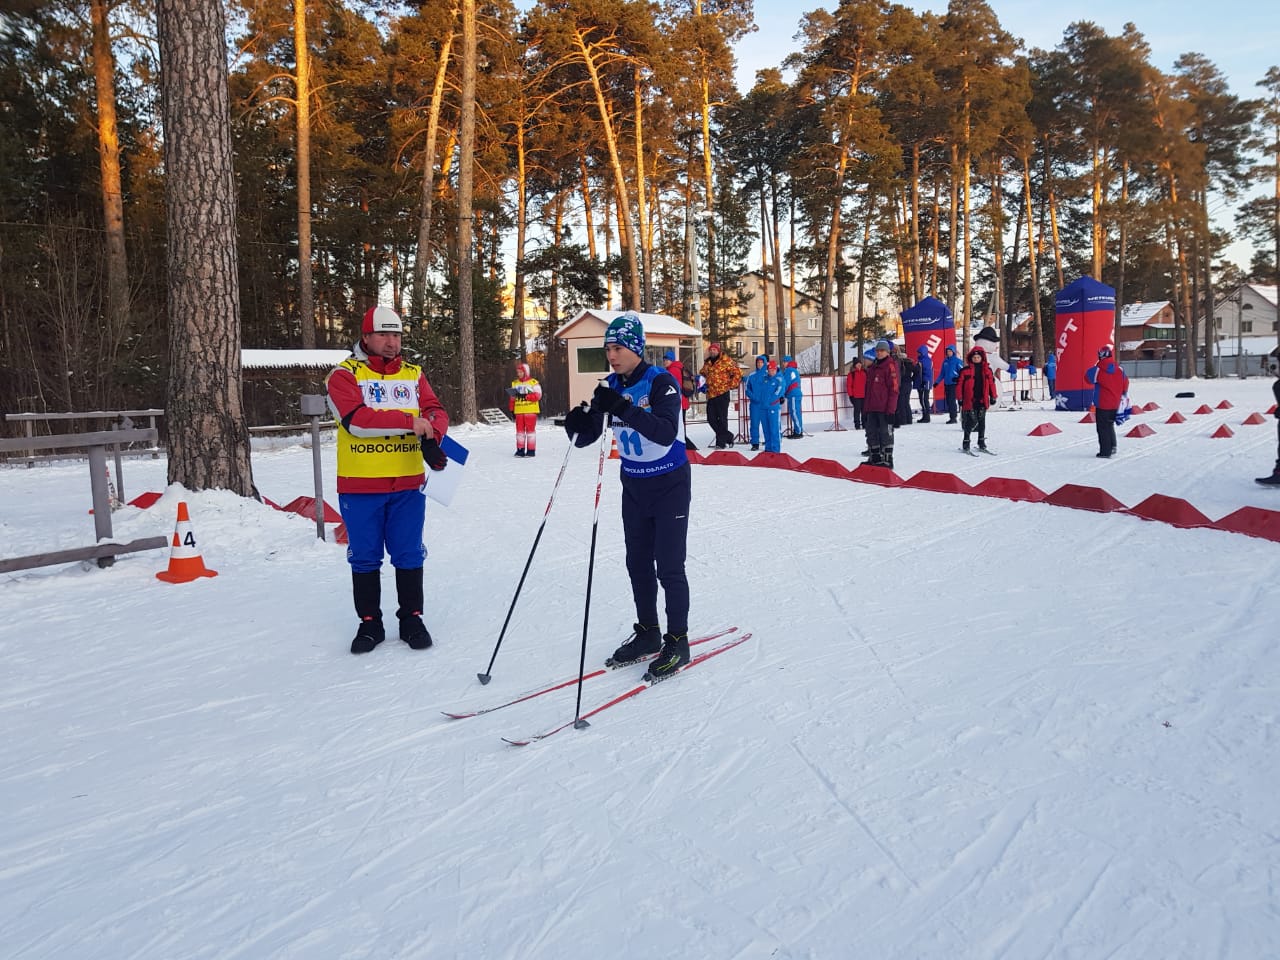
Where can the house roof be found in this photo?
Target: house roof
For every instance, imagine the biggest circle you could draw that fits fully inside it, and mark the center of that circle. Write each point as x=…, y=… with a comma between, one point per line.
x=256, y=359
x=1135, y=313
x=1266, y=291
x=799, y=295
x=653, y=323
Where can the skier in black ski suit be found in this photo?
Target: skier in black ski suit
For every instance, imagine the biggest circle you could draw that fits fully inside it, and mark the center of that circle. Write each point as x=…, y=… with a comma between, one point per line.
x=1274, y=479
x=644, y=404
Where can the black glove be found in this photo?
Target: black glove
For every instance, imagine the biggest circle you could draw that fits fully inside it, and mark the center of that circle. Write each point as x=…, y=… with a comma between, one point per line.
x=431, y=452
x=580, y=426
x=608, y=400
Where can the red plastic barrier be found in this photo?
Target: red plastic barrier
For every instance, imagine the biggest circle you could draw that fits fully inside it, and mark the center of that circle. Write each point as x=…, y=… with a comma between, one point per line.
x=938, y=482
x=1044, y=430
x=1253, y=418
x=1141, y=430
x=1271, y=410
x=826, y=468
x=1224, y=405
x=1151, y=406
x=144, y=500
x=1007, y=488
x=1084, y=498
x=306, y=507
x=880, y=476
x=1170, y=510
x=1253, y=522
x=725, y=458
x=1202, y=409
x=1176, y=417
x=1089, y=417
x=1222, y=432
x=694, y=456
x=340, y=534
x=779, y=461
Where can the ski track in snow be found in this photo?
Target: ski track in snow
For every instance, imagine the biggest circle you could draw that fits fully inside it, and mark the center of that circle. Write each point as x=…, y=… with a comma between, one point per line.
x=963, y=727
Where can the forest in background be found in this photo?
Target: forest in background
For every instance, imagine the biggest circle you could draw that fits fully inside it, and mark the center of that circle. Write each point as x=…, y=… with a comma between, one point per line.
x=894, y=155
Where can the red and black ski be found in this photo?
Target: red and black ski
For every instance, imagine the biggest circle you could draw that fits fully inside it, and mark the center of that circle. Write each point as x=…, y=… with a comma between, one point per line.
x=463, y=715
x=628, y=694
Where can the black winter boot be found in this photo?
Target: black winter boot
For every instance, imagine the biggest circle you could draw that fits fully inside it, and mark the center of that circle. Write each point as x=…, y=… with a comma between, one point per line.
x=1273, y=480
x=409, y=593
x=645, y=640
x=366, y=589
x=887, y=458
x=674, y=655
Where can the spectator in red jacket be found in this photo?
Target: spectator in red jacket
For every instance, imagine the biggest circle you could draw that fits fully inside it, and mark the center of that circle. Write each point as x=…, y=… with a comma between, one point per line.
x=880, y=406
x=856, y=387
x=976, y=390
x=1110, y=384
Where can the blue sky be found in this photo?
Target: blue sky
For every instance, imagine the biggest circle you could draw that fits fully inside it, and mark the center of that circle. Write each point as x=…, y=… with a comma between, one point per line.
x=1241, y=36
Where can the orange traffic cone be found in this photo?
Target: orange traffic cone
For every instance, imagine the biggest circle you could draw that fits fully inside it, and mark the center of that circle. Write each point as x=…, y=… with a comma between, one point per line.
x=185, y=562
x=613, y=450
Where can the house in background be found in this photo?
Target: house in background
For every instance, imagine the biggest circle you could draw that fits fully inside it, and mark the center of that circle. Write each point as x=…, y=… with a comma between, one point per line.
x=1147, y=331
x=584, y=340
x=747, y=322
x=1244, y=321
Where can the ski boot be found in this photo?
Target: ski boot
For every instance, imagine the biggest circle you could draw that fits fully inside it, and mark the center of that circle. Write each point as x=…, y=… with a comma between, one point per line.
x=644, y=642
x=674, y=655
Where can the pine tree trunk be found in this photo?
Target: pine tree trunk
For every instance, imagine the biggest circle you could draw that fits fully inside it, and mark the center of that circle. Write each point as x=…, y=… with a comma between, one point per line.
x=207, y=435
x=422, y=260
x=1037, y=341
x=466, y=212
x=112, y=194
x=306, y=298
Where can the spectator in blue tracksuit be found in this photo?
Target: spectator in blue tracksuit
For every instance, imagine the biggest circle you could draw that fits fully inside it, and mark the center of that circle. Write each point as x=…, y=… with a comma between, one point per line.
x=1031, y=377
x=1051, y=371
x=923, y=381
x=756, y=405
x=949, y=376
x=793, y=392
x=772, y=388
x=644, y=404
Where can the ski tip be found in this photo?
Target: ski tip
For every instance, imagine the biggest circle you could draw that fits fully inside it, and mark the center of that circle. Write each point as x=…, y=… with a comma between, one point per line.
x=457, y=716
x=483, y=678
x=516, y=743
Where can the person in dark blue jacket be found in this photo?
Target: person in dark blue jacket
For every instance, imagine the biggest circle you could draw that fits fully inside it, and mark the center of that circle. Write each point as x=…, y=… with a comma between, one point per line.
x=949, y=376
x=643, y=404
x=756, y=407
x=1051, y=372
x=923, y=381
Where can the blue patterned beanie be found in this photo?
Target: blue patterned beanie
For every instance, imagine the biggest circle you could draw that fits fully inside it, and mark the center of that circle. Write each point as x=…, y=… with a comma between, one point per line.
x=626, y=331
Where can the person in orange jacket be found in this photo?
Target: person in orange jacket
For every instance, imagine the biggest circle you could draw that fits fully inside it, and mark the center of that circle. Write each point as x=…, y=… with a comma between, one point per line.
x=722, y=377
x=524, y=396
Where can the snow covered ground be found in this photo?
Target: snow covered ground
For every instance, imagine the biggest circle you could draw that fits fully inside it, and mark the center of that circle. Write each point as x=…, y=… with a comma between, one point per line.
x=963, y=727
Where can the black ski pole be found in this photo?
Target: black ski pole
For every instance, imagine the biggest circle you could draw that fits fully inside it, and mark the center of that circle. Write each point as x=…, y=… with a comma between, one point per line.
x=578, y=722
x=484, y=677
